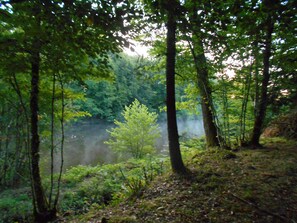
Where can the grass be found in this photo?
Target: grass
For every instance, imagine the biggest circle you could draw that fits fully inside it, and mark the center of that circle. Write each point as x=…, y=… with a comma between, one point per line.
x=15, y=206
x=249, y=185
x=84, y=188
x=256, y=185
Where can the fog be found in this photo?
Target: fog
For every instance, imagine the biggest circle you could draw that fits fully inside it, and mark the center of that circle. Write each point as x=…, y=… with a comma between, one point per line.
x=84, y=141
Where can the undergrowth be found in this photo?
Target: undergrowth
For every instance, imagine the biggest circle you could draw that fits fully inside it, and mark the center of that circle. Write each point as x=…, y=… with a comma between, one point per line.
x=219, y=178
x=15, y=206
x=246, y=185
x=87, y=187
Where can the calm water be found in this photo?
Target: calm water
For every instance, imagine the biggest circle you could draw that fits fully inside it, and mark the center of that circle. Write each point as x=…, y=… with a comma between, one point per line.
x=84, y=142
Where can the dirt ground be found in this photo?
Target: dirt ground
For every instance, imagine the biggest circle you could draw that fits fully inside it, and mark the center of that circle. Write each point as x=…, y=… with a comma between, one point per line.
x=249, y=185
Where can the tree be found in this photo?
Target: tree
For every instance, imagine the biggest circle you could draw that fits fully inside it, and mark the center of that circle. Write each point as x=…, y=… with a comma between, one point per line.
x=166, y=12
x=194, y=37
x=106, y=98
x=70, y=39
x=269, y=8
x=137, y=134
x=173, y=138
x=13, y=136
x=241, y=30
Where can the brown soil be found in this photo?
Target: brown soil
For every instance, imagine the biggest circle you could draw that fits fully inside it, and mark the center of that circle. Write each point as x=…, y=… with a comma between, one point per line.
x=256, y=185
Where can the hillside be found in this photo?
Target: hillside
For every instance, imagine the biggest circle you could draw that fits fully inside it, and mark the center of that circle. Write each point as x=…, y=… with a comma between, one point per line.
x=244, y=186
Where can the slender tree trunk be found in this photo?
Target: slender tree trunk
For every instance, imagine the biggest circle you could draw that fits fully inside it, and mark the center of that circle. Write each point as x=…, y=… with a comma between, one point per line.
x=226, y=121
x=62, y=140
x=260, y=115
x=210, y=128
x=16, y=87
x=37, y=185
x=173, y=138
x=197, y=49
x=246, y=94
x=52, y=138
x=2, y=124
x=6, y=156
x=18, y=148
x=41, y=212
x=257, y=60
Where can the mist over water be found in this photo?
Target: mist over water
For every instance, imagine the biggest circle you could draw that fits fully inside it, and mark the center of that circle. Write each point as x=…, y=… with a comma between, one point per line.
x=84, y=141
x=187, y=127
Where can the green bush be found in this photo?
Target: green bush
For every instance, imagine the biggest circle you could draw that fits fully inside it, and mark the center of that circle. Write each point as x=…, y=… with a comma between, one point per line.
x=137, y=135
x=15, y=206
x=86, y=187
x=198, y=143
x=76, y=174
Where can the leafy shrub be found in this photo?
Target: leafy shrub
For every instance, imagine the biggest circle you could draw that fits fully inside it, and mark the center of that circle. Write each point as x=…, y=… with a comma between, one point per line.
x=86, y=187
x=15, y=206
x=284, y=126
x=140, y=176
x=137, y=134
x=76, y=174
x=198, y=143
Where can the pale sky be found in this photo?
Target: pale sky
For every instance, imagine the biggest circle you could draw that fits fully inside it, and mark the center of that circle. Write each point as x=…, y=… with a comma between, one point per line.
x=140, y=50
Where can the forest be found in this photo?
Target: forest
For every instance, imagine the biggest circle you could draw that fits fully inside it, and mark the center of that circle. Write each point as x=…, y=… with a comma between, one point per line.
x=148, y=111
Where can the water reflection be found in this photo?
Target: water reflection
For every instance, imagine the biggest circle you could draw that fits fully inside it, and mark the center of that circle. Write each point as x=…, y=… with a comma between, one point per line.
x=84, y=141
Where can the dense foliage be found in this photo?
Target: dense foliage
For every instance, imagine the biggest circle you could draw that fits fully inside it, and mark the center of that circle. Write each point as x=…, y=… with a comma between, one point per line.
x=61, y=61
x=87, y=188
x=106, y=98
x=137, y=134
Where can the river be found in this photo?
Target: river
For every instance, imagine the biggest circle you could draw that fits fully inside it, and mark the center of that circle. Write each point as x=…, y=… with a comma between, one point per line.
x=84, y=141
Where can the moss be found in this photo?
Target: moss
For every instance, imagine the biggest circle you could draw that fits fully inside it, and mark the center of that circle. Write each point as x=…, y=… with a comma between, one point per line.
x=220, y=188
x=124, y=219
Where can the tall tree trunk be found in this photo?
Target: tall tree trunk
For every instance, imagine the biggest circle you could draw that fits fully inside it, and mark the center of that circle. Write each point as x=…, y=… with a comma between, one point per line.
x=261, y=108
x=37, y=185
x=212, y=135
x=225, y=116
x=197, y=49
x=246, y=93
x=52, y=137
x=210, y=128
x=41, y=212
x=62, y=140
x=257, y=61
x=173, y=138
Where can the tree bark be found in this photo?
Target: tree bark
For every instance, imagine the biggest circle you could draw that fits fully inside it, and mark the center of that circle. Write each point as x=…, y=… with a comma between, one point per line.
x=261, y=108
x=37, y=186
x=41, y=212
x=210, y=128
x=173, y=138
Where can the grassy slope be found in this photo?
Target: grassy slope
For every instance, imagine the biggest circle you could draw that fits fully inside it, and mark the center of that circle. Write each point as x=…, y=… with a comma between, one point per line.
x=252, y=186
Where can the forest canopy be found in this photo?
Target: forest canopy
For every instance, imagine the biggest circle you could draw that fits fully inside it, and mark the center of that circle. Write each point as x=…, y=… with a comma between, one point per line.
x=64, y=61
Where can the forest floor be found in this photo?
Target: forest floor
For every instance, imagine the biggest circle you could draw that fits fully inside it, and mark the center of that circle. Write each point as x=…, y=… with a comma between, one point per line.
x=249, y=185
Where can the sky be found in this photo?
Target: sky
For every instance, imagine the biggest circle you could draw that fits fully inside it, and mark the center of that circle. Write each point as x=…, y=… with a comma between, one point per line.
x=139, y=50
x=142, y=50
